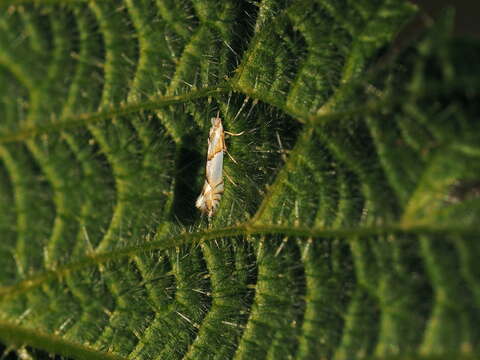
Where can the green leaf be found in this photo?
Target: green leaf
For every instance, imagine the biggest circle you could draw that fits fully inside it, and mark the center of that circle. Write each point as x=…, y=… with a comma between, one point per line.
x=347, y=229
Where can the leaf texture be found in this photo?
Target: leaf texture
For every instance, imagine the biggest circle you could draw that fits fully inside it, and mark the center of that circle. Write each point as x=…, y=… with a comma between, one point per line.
x=347, y=229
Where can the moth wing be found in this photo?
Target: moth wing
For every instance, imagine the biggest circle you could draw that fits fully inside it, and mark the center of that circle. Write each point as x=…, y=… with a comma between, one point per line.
x=216, y=147
x=209, y=199
x=215, y=169
x=201, y=202
x=215, y=140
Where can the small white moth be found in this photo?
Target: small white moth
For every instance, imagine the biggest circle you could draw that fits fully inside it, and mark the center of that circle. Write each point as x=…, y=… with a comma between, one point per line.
x=213, y=188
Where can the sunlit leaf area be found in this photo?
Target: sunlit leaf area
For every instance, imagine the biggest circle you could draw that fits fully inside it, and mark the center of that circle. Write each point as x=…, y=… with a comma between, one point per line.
x=348, y=226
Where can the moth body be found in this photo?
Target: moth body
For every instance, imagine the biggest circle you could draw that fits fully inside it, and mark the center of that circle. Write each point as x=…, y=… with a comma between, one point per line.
x=213, y=187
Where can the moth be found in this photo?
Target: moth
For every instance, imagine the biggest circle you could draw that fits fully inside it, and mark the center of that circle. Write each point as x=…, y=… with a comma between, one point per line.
x=213, y=187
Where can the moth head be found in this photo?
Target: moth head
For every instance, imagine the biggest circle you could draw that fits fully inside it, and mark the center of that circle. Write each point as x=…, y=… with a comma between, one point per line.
x=216, y=121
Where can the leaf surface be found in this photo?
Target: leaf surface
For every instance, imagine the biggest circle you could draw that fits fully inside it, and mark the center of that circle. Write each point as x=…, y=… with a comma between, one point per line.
x=347, y=229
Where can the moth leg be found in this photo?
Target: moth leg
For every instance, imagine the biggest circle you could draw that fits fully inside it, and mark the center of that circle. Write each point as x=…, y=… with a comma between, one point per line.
x=230, y=156
x=225, y=145
x=234, y=134
x=229, y=178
